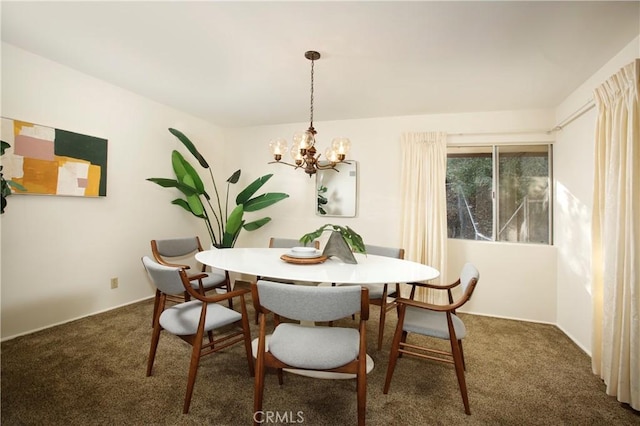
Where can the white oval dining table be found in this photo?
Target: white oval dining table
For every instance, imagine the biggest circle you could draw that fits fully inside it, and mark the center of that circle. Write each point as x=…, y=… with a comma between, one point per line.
x=267, y=262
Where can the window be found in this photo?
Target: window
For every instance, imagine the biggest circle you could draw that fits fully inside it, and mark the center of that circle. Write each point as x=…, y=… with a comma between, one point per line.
x=499, y=193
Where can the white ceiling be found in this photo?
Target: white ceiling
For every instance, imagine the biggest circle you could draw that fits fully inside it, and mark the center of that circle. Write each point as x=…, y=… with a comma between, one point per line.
x=242, y=63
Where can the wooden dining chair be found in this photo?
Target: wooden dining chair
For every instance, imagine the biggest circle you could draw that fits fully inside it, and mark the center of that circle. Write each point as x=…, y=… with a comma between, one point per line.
x=436, y=321
x=385, y=295
x=317, y=348
x=278, y=242
x=205, y=324
x=180, y=252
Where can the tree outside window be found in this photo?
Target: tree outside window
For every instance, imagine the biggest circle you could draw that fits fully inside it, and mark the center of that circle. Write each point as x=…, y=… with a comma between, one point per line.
x=520, y=177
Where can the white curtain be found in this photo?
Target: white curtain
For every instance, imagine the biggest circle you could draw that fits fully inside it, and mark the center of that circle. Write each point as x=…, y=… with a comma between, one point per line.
x=616, y=236
x=424, y=204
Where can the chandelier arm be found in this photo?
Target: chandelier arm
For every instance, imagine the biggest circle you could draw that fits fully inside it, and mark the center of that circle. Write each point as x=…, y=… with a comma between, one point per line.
x=285, y=163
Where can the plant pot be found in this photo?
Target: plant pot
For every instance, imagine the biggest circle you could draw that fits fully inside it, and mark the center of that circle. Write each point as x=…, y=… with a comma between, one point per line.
x=338, y=247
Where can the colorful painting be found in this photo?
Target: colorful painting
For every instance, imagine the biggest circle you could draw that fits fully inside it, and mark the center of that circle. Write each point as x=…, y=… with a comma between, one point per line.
x=51, y=161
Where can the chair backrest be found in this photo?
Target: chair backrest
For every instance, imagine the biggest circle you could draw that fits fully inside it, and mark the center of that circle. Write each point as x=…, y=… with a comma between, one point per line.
x=289, y=242
x=310, y=303
x=166, y=278
x=176, y=247
x=397, y=253
x=469, y=277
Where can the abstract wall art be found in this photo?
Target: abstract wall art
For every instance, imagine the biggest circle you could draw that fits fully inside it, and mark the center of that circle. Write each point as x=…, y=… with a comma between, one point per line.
x=45, y=160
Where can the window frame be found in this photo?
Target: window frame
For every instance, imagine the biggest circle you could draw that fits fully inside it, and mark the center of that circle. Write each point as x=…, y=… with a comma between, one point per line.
x=483, y=149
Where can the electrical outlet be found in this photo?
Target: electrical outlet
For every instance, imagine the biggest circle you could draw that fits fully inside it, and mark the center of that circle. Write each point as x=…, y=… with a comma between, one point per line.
x=114, y=283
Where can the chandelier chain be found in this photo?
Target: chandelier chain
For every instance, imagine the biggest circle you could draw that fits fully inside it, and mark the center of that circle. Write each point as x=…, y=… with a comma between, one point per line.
x=311, y=108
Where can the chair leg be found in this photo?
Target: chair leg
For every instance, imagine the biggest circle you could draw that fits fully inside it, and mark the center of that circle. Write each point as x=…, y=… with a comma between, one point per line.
x=399, y=336
x=228, y=288
x=459, y=364
x=156, y=304
x=193, y=370
x=155, y=337
x=403, y=339
x=247, y=338
x=462, y=354
x=383, y=316
x=258, y=387
x=362, y=392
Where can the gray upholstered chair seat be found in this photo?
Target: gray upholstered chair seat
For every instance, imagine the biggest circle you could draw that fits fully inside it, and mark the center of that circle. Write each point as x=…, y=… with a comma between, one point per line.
x=213, y=279
x=183, y=319
x=315, y=348
x=432, y=323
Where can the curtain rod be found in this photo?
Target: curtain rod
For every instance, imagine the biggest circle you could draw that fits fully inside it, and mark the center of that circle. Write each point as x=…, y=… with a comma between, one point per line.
x=517, y=132
x=564, y=123
x=574, y=116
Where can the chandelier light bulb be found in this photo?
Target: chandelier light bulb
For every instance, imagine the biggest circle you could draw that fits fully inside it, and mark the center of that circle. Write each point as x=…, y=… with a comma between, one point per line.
x=296, y=154
x=341, y=146
x=331, y=155
x=278, y=147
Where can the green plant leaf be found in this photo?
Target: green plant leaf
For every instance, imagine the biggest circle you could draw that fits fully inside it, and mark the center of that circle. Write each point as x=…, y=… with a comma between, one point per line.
x=4, y=146
x=235, y=177
x=264, y=200
x=308, y=238
x=192, y=204
x=248, y=192
x=234, y=225
x=196, y=206
x=351, y=237
x=194, y=176
x=172, y=183
x=186, y=173
x=234, y=221
x=356, y=241
x=190, y=146
x=256, y=224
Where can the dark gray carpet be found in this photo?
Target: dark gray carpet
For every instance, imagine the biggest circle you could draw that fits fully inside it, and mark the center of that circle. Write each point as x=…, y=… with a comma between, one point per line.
x=92, y=372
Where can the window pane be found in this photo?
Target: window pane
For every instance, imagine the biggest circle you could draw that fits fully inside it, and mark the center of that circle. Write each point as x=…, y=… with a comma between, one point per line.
x=469, y=188
x=523, y=193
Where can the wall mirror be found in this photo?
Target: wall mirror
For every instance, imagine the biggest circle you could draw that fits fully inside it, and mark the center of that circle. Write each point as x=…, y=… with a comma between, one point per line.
x=336, y=190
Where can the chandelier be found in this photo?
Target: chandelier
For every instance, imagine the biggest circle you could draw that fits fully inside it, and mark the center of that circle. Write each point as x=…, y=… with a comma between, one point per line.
x=303, y=149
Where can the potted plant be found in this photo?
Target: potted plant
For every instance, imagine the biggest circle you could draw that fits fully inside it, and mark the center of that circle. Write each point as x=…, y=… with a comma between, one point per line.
x=342, y=243
x=6, y=185
x=224, y=232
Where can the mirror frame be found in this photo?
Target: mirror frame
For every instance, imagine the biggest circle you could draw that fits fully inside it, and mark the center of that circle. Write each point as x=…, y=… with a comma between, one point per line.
x=346, y=176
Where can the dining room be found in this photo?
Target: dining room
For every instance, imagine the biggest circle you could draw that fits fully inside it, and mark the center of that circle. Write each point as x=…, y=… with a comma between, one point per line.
x=75, y=261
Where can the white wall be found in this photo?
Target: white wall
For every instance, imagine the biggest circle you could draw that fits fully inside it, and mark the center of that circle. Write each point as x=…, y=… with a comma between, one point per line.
x=59, y=253
x=573, y=172
x=517, y=281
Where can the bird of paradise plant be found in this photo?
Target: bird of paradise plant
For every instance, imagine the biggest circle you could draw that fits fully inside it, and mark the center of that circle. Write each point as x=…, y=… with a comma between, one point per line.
x=196, y=199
